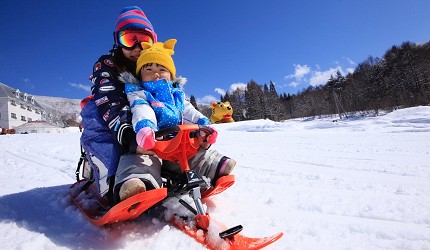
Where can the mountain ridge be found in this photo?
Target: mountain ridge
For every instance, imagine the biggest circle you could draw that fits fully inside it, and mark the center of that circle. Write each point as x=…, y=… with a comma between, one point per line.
x=59, y=104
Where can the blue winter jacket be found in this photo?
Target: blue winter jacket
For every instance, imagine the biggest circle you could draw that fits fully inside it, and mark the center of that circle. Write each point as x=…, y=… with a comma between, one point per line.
x=160, y=104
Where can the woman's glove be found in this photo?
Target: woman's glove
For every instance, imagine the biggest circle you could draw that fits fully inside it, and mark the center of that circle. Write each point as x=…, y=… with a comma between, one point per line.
x=146, y=138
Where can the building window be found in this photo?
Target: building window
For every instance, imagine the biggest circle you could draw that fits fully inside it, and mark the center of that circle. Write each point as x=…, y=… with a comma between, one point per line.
x=29, y=108
x=23, y=118
x=32, y=100
x=30, y=120
x=13, y=102
x=22, y=106
x=37, y=111
x=25, y=96
x=17, y=93
x=13, y=115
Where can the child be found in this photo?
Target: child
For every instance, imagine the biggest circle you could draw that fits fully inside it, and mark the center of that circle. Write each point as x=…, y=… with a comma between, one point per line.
x=159, y=102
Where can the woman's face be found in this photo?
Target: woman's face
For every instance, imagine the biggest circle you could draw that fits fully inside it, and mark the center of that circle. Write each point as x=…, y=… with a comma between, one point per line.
x=133, y=54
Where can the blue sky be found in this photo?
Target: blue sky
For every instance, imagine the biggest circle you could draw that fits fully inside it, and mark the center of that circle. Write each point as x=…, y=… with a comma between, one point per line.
x=50, y=46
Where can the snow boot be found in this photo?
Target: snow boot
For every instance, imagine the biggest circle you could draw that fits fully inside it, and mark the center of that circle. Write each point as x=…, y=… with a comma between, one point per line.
x=227, y=167
x=131, y=187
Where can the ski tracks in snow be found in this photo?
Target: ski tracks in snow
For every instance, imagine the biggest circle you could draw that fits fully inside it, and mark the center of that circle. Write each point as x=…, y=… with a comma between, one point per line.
x=27, y=158
x=370, y=189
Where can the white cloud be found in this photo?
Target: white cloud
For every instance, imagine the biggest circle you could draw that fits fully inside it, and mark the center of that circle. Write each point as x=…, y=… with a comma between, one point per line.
x=299, y=76
x=220, y=91
x=293, y=84
x=299, y=72
x=81, y=86
x=304, y=75
x=207, y=99
x=321, y=77
x=351, y=62
x=235, y=86
x=350, y=70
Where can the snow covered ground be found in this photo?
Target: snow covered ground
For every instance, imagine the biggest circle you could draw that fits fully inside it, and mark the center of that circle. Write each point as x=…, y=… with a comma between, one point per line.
x=362, y=183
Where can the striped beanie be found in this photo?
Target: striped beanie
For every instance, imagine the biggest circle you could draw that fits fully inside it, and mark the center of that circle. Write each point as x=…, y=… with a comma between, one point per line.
x=133, y=18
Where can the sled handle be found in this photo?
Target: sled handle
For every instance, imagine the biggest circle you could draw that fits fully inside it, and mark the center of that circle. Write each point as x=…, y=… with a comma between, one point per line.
x=179, y=143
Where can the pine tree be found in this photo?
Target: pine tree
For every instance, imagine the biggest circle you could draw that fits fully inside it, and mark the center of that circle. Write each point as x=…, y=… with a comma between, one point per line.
x=193, y=102
x=253, y=101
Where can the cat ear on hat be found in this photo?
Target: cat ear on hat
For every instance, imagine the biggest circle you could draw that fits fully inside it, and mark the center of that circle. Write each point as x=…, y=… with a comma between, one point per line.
x=145, y=45
x=169, y=45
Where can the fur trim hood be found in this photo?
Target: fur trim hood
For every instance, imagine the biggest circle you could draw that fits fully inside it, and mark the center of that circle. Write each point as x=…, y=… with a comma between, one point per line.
x=127, y=77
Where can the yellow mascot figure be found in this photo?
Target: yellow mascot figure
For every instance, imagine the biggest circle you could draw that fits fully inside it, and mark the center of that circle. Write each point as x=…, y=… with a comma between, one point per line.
x=221, y=112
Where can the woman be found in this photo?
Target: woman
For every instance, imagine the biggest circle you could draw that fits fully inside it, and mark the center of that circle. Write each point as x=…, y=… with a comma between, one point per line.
x=132, y=28
x=106, y=116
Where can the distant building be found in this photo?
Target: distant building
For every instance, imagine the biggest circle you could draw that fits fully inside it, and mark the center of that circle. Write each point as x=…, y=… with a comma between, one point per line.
x=18, y=108
x=37, y=127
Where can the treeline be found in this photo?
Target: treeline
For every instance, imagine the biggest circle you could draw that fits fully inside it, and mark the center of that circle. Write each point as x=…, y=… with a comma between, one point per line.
x=400, y=79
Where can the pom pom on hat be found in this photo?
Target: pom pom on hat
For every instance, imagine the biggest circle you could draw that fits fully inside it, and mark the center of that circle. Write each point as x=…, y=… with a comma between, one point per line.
x=160, y=53
x=133, y=17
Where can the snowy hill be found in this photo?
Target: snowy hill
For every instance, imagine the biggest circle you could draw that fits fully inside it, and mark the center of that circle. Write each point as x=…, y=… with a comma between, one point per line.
x=63, y=105
x=362, y=183
x=62, y=111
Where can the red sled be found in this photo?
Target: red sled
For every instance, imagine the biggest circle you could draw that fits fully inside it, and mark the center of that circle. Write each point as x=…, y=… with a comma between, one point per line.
x=177, y=144
x=99, y=213
x=221, y=185
x=129, y=209
x=234, y=242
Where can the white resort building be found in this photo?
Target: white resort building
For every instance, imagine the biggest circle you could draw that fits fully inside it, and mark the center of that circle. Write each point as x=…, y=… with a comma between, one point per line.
x=18, y=108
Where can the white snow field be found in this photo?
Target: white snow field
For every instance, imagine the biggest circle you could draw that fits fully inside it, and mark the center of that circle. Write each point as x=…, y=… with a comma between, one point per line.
x=360, y=183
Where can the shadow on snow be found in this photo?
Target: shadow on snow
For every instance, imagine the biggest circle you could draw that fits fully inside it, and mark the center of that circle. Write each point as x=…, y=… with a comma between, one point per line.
x=49, y=211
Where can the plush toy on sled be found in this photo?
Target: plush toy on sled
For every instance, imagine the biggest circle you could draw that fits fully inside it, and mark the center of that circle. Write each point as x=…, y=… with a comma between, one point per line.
x=222, y=112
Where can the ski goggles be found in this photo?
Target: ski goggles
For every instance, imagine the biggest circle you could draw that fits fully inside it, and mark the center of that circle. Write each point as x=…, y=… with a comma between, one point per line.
x=129, y=39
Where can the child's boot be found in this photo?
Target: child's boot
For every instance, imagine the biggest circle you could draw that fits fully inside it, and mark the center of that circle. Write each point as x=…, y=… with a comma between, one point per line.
x=131, y=187
x=227, y=167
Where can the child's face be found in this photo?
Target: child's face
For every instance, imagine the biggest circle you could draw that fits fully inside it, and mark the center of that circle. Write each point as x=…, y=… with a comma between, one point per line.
x=153, y=72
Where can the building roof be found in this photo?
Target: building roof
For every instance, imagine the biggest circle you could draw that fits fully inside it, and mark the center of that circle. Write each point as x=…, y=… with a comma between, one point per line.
x=18, y=96
x=36, y=124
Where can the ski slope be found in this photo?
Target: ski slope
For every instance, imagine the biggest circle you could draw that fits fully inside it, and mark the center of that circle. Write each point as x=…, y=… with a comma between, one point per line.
x=361, y=183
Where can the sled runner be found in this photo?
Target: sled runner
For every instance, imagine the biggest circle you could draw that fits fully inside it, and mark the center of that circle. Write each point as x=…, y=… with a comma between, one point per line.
x=235, y=242
x=98, y=211
x=176, y=144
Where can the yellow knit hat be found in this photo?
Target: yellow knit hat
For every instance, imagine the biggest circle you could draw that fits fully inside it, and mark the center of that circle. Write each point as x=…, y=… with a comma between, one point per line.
x=160, y=53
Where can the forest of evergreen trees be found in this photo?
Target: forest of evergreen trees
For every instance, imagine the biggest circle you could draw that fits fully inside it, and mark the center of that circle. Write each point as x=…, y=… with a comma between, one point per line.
x=400, y=79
